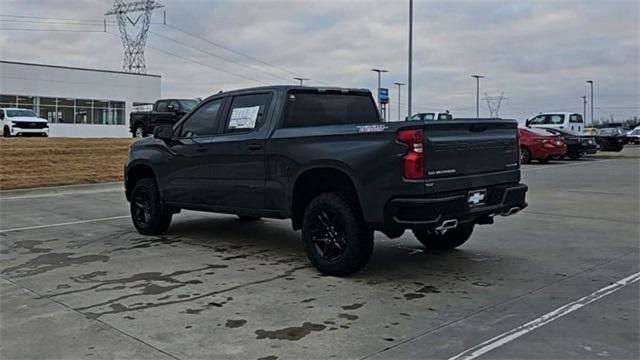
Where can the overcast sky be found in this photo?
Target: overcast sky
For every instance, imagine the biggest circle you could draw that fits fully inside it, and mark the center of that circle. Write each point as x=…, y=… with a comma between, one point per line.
x=539, y=53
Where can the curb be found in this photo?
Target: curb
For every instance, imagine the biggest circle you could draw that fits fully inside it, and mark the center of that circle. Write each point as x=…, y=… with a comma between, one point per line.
x=63, y=189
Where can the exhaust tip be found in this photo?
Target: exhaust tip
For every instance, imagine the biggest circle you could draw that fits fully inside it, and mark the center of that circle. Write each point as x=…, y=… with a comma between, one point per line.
x=511, y=211
x=448, y=225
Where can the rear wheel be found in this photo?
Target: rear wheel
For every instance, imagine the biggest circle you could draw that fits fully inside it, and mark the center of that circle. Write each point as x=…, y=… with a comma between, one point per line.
x=525, y=155
x=335, y=237
x=138, y=131
x=434, y=240
x=149, y=215
x=575, y=156
x=6, y=132
x=543, y=161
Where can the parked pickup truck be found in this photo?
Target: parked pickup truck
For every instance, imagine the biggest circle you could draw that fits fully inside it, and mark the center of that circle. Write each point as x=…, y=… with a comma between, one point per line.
x=323, y=158
x=165, y=112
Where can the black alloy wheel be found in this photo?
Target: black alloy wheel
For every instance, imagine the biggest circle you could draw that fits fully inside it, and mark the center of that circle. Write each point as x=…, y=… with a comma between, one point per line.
x=328, y=236
x=148, y=213
x=335, y=237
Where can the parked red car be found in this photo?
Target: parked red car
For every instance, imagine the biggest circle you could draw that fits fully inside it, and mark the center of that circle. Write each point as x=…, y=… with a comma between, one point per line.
x=541, y=145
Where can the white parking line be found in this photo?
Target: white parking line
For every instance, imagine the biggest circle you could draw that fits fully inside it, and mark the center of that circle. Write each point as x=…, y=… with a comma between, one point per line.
x=515, y=333
x=553, y=166
x=63, y=224
x=79, y=192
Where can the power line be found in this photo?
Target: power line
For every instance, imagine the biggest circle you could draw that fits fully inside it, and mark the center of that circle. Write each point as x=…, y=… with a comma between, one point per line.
x=199, y=62
x=236, y=51
x=101, y=22
x=217, y=56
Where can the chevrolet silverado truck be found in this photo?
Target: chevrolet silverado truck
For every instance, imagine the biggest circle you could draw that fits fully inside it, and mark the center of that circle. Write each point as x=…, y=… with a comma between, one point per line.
x=164, y=112
x=323, y=158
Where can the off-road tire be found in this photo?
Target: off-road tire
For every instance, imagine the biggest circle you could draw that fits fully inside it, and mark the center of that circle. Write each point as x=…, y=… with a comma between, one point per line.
x=355, y=237
x=159, y=217
x=138, y=131
x=451, y=239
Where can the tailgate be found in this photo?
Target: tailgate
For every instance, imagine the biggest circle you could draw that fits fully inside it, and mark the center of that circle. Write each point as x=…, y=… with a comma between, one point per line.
x=469, y=147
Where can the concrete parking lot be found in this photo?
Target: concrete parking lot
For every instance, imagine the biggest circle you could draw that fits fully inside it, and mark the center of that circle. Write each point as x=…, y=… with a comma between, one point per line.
x=77, y=281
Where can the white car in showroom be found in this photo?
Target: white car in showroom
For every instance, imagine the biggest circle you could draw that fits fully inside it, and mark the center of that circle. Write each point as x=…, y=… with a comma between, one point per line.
x=14, y=122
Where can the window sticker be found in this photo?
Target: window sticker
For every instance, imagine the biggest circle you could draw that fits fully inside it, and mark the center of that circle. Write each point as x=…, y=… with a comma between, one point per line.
x=244, y=118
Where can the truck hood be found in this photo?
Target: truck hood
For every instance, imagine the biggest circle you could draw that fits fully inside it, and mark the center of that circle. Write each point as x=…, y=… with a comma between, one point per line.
x=27, y=119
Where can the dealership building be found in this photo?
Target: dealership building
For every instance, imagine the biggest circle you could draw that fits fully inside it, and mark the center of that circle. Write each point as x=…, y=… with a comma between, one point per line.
x=77, y=102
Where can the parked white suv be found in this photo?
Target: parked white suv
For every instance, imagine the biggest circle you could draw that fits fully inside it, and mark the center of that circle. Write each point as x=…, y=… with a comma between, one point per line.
x=14, y=121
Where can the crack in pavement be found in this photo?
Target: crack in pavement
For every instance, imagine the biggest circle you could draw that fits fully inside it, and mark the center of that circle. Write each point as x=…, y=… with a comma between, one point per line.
x=179, y=301
x=38, y=295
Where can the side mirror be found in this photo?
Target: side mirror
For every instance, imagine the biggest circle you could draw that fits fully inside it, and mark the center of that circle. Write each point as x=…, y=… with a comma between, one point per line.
x=163, y=132
x=527, y=122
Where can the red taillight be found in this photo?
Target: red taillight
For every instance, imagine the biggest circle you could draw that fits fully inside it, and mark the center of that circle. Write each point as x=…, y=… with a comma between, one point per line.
x=413, y=161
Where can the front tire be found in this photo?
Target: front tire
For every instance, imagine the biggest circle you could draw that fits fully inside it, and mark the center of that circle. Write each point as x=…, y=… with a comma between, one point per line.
x=575, y=156
x=149, y=215
x=138, y=131
x=335, y=238
x=6, y=132
x=451, y=239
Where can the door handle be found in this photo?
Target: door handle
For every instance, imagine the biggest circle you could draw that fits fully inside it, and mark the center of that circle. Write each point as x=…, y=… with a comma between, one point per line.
x=254, y=147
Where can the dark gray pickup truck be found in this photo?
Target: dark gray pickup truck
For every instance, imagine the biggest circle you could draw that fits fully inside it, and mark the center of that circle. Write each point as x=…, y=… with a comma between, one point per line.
x=164, y=112
x=323, y=158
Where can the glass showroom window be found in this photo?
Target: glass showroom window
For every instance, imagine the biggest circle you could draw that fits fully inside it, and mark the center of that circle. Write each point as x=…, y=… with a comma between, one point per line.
x=66, y=112
x=83, y=111
x=116, y=112
x=47, y=109
x=27, y=102
x=100, y=112
x=8, y=101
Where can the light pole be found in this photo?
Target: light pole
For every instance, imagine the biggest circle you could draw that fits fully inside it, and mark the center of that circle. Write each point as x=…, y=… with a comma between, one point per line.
x=478, y=77
x=584, y=107
x=379, y=71
x=590, y=82
x=301, y=79
x=410, y=75
x=399, y=90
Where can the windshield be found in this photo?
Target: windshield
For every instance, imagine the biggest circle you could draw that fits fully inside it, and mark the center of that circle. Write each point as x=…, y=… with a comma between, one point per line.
x=422, y=117
x=187, y=105
x=21, y=113
x=609, y=132
x=635, y=132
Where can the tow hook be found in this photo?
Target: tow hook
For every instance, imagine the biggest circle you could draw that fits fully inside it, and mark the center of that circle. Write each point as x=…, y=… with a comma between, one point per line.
x=511, y=211
x=447, y=225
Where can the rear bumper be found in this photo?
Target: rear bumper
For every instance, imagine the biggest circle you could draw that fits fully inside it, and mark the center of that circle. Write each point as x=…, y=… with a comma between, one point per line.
x=431, y=212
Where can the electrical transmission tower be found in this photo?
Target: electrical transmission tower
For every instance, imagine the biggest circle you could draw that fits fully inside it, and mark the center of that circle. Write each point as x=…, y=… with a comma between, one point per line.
x=134, y=42
x=493, y=103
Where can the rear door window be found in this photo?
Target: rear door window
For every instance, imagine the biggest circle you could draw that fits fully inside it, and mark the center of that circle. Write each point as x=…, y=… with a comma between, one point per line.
x=312, y=108
x=247, y=112
x=575, y=118
x=556, y=119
